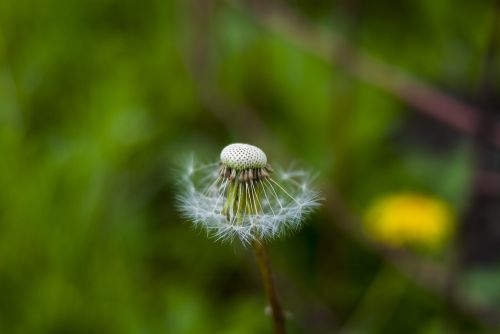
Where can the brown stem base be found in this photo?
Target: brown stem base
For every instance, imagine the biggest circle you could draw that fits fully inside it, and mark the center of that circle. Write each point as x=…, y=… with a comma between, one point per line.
x=268, y=281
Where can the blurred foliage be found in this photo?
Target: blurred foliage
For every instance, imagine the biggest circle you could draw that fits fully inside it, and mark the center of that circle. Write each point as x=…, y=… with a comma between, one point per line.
x=100, y=99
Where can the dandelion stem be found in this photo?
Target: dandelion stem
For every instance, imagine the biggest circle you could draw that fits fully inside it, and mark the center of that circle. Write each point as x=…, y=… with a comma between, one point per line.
x=270, y=288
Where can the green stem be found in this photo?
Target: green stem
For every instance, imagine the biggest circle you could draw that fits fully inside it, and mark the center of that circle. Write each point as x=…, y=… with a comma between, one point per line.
x=268, y=281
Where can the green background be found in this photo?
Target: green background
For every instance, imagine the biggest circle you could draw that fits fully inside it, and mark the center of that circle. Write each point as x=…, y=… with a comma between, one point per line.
x=100, y=101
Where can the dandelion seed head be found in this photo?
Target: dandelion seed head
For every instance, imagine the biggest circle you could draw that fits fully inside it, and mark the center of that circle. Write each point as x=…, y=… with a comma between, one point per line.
x=242, y=199
x=241, y=156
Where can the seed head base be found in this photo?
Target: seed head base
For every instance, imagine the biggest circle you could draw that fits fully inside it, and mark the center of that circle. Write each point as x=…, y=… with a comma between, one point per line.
x=245, y=175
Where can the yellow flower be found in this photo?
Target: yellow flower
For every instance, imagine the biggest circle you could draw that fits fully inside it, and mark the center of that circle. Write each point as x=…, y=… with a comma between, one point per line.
x=409, y=219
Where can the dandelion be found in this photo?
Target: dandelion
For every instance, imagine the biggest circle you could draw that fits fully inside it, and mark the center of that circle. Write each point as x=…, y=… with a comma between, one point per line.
x=409, y=219
x=242, y=197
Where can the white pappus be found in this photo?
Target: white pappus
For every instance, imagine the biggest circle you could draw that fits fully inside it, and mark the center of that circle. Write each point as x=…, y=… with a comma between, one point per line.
x=243, y=197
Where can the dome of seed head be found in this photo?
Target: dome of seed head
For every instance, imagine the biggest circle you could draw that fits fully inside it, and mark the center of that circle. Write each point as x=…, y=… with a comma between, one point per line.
x=243, y=156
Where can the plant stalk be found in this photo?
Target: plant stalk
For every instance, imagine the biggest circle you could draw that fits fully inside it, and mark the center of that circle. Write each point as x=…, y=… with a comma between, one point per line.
x=269, y=286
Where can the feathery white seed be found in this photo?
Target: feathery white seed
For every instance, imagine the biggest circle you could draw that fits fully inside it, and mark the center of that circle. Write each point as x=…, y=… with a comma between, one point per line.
x=242, y=200
x=243, y=156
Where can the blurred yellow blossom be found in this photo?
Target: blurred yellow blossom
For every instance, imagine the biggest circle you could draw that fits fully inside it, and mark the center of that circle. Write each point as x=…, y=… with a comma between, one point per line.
x=409, y=219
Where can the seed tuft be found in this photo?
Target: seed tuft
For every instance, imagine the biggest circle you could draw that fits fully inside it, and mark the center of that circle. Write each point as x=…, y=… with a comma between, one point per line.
x=245, y=198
